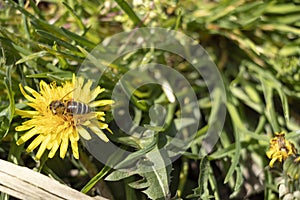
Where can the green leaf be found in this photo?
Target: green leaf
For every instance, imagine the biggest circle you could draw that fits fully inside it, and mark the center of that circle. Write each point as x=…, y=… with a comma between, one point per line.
x=240, y=94
x=78, y=39
x=239, y=178
x=269, y=112
x=8, y=113
x=128, y=10
x=238, y=126
x=157, y=181
x=59, y=41
x=183, y=176
x=155, y=173
x=202, y=190
x=284, y=102
x=45, y=26
x=95, y=179
x=269, y=84
x=74, y=14
x=285, y=8
x=280, y=27
x=118, y=175
x=31, y=57
x=59, y=53
x=59, y=76
x=36, y=9
x=133, y=157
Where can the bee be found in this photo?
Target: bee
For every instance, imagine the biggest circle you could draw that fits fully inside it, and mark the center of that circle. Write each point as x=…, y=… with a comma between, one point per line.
x=69, y=107
x=283, y=144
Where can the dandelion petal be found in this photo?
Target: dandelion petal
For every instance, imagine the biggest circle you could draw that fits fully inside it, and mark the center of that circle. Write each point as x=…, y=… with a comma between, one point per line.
x=75, y=149
x=99, y=133
x=29, y=98
x=84, y=133
x=64, y=147
x=43, y=147
x=27, y=136
x=36, y=142
x=26, y=113
x=53, y=149
x=96, y=92
x=103, y=102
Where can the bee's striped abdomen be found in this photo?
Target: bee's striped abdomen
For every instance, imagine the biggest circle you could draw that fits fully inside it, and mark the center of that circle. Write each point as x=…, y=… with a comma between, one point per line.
x=78, y=108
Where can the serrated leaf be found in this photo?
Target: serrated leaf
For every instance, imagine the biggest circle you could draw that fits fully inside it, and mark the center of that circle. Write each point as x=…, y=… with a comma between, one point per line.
x=140, y=184
x=155, y=171
x=159, y=178
x=202, y=190
x=135, y=156
x=118, y=175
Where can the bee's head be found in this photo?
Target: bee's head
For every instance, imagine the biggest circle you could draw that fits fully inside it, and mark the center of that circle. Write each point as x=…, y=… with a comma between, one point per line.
x=57, y=107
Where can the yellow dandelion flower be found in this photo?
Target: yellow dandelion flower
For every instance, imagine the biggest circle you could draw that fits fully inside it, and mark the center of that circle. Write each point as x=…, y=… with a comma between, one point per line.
x=280, y=149
x=61, y=114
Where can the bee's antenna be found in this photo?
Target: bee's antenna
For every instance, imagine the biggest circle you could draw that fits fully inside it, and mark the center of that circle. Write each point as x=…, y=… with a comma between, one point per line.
x=67, y=94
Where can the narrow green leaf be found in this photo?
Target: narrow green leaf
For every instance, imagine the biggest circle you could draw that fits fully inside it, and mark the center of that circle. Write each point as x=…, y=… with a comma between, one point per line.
x=31, y=57
x=21, y=9
x=239, y=178
x=240, y=94
x=59, y=41
x=55, y=76
x=95, y=179
x=280, y=27
x=269, y=112
x=223, y=10
x=13, y=46
x=60, y=53
x=202, y=189
x=78, y=39
x=74, y=14
x=36, y=9
x=183, y=176
x=8, y=113
x=45, y=26
x=129, y=11
x=238, y=126
x=283, y=8
x=289, y=50
x=284, y=103
x=25, y=21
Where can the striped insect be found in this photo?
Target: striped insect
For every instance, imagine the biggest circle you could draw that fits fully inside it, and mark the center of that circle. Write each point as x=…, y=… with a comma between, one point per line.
x=69, y=107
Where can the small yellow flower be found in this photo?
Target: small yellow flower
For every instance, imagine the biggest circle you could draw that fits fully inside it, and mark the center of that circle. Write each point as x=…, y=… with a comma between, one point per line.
x=55, y=130
x=280, y=149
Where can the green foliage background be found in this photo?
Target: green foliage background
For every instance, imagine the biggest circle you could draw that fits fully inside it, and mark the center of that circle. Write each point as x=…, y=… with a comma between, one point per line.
x=255, y=45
